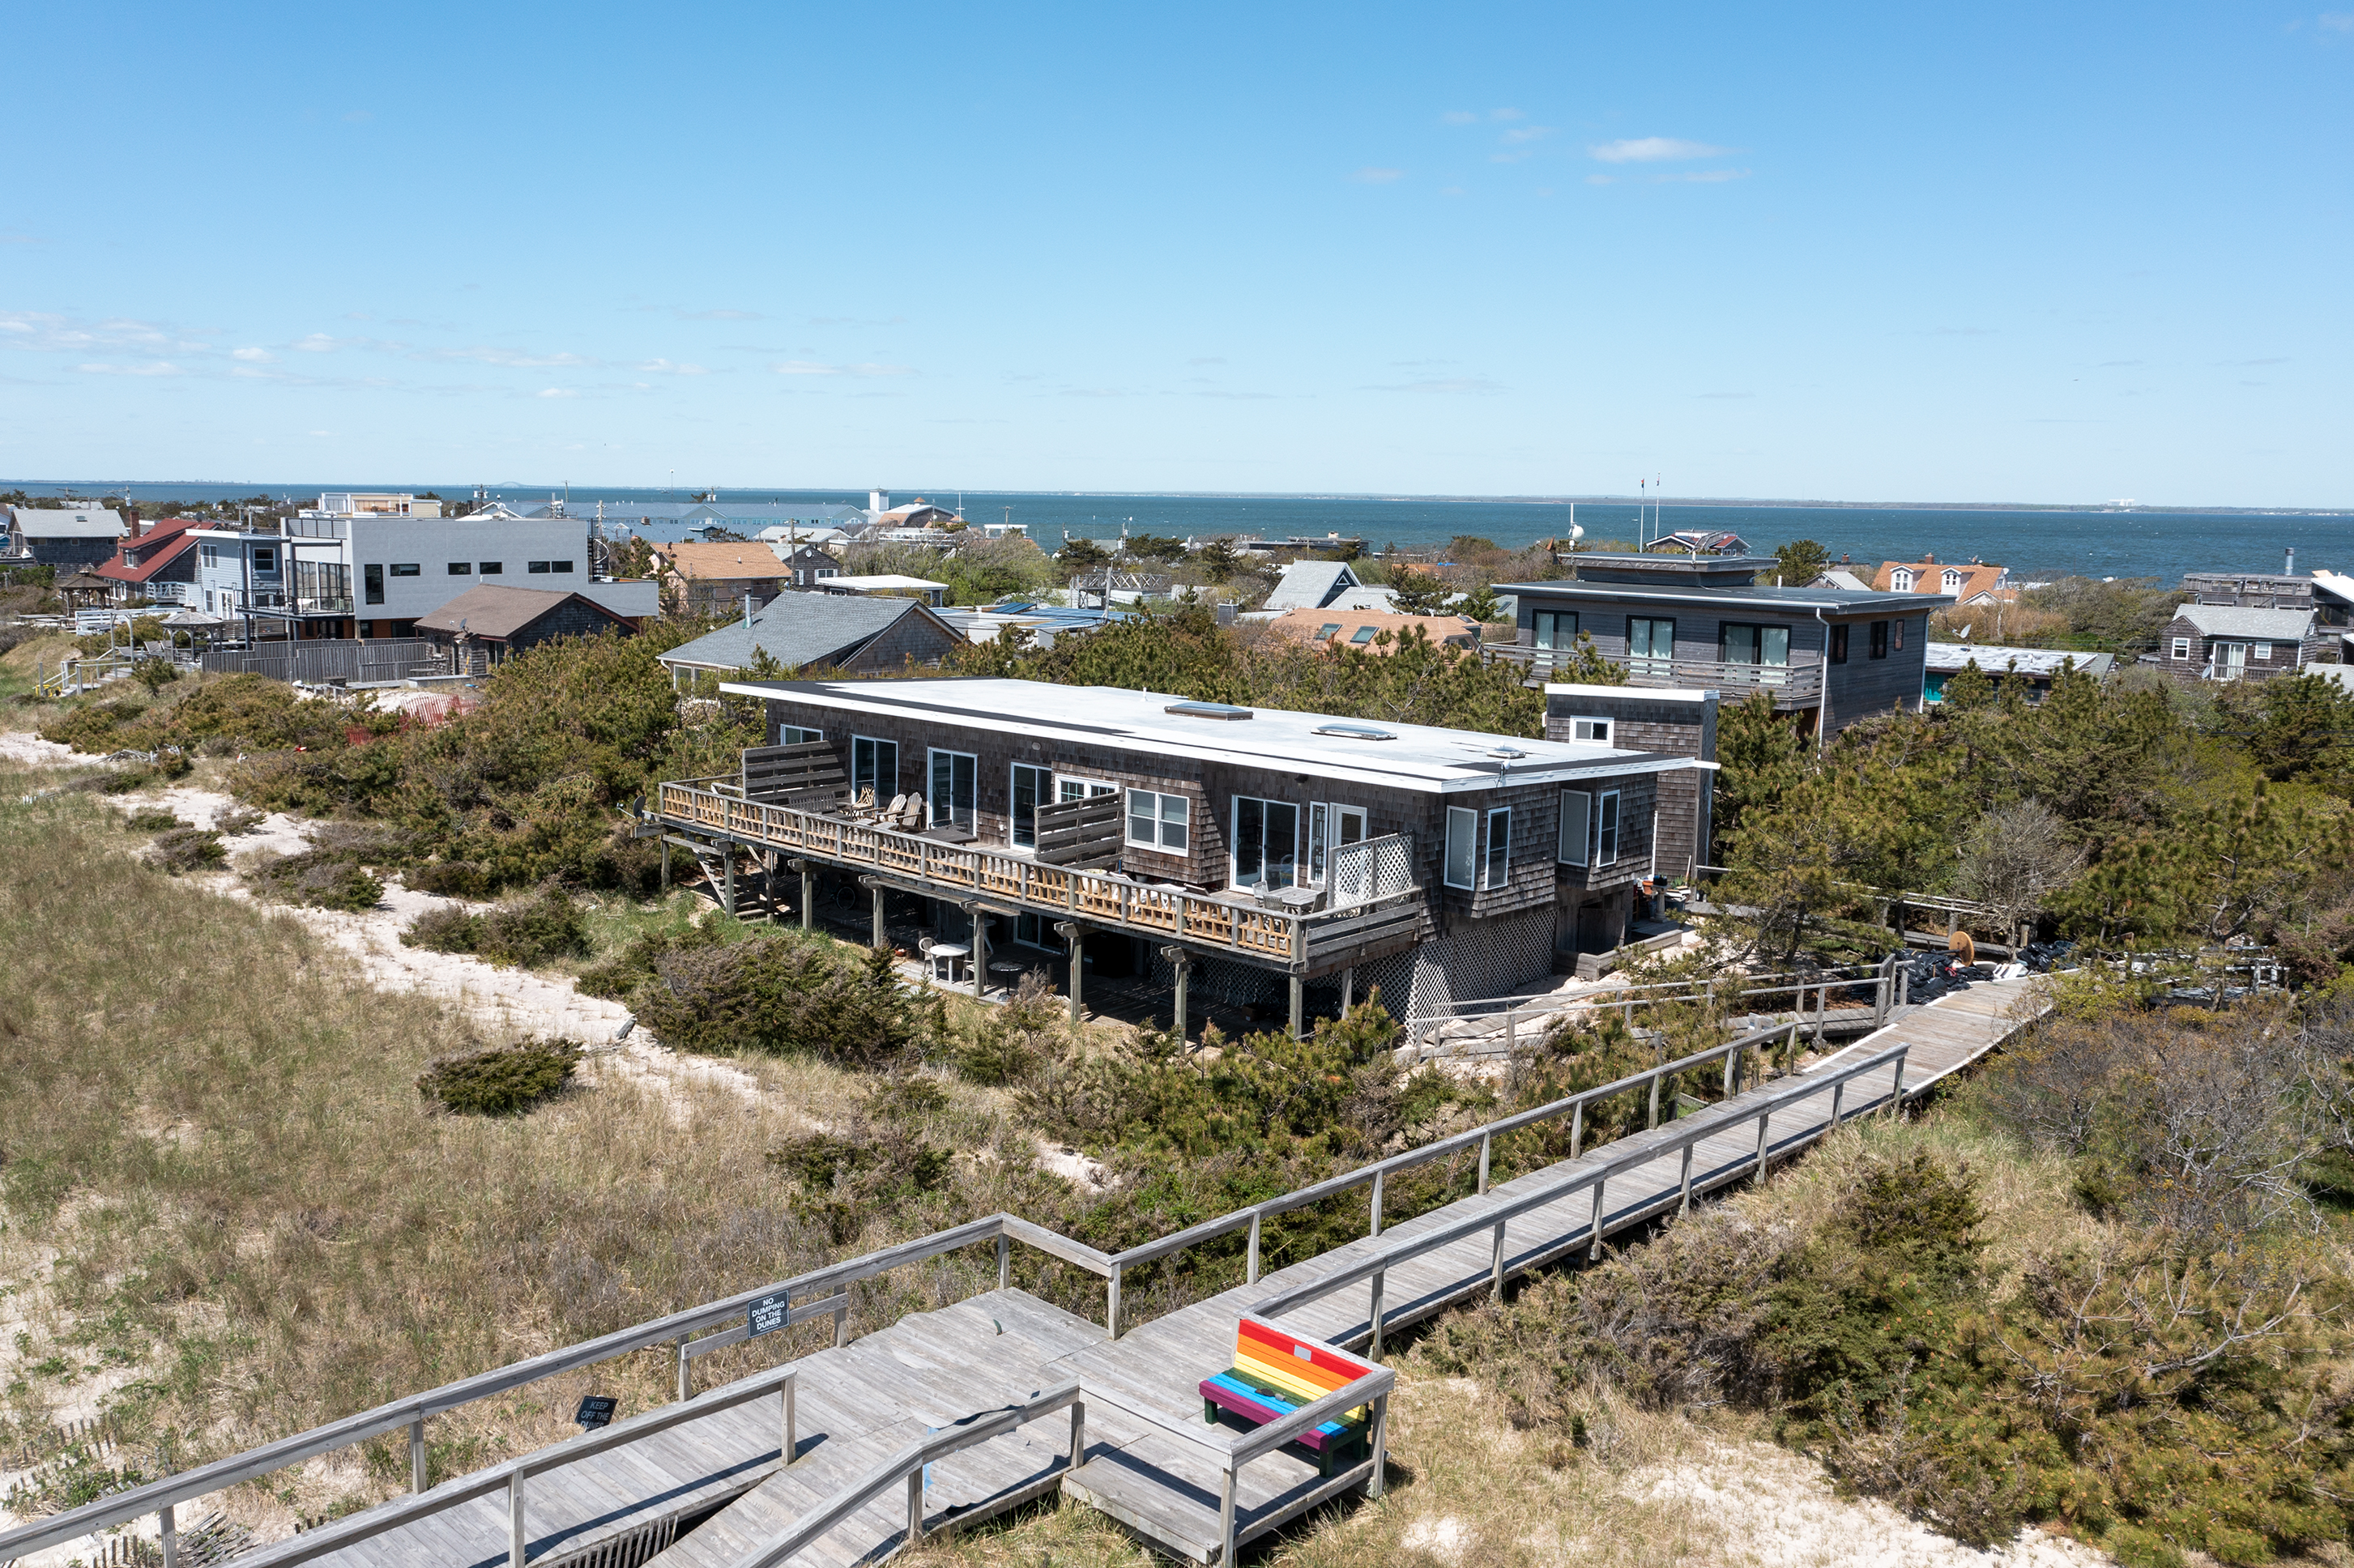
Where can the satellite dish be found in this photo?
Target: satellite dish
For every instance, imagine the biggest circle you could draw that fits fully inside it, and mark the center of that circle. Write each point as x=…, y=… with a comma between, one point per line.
x=1577, y=531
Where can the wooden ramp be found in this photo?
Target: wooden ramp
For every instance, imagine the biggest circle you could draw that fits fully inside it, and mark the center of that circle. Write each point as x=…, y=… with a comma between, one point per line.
x=708, y=1493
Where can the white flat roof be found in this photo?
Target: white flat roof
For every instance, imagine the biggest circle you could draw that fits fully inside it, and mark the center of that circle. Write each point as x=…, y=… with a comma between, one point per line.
x=1639, y=694
x=883, y=580
x=1420, y=757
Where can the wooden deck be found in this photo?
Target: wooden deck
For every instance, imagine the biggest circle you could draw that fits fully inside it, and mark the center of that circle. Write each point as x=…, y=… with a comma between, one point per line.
x=861, y=1402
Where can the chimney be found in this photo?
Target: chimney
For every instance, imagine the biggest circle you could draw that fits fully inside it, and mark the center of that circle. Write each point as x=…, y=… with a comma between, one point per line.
x=2288, y=568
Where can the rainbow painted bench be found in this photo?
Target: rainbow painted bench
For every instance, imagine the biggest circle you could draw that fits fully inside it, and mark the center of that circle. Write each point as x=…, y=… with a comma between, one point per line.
x=1275, y=1373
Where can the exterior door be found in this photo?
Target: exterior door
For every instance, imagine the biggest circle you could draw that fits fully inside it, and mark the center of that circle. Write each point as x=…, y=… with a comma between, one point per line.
x=955, y=779
x=1267, y=842
x=1033, y=787
x=2230, y=661
x=1331, y=828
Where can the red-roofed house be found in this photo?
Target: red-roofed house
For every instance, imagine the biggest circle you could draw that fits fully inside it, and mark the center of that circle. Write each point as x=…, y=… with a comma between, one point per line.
x=1966, y=582
x=159, y=564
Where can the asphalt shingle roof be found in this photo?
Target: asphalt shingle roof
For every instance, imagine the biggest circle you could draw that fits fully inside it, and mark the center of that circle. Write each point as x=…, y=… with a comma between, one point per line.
x=797, y=630
x=2233, y=621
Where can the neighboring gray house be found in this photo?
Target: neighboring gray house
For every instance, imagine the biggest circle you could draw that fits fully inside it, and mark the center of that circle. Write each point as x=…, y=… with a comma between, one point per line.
x=2033, y=668
x=849, y=632
x=70, y=536
x=2232, y=642
x=1314, y=585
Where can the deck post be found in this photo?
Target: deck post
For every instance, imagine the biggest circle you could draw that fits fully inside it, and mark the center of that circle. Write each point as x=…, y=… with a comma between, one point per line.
x=1375, y=1312
x=168, y=1530
x=1761, y=1118
x=1511, y=1021
x=979, y=918
x=1904, y=987
x=1375, y=1483
x=1655, y=1097
x=1377, y=1203
x=665, y=880
x=841, y=1320
x=417, y=1462
x=686, y=1372
x=1731, y=1070
x=727, y=879
x=1226, y=1519
x=1073, y=940
x=1297, y=988
x=1790, y=1051
x=1594, y=1248
x=1576, y=1128
x=516, y=1537
x=1839, y=1090
x=915, y=1504
x=809, y=889
x=1252, y=1278
x=1896, y=1099
x=1348, y=988
x=1005, y=1261
x=881, y=936
x=1078, y=1433
x=1111, y=1302
x=1686, y=1209
x=1180, y=961
x=1487, y=1147
x=789, y=1449
x=1495, y=1264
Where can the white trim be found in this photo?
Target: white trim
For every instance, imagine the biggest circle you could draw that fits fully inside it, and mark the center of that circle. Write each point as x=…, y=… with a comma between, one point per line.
x=1605, y=804
x=1488, y=878
x=932, y=754
x=1610, y=729
x=874, y=740
x=1157, y=814
x=1235, y=839
x=803, y=732
x=1013, y=796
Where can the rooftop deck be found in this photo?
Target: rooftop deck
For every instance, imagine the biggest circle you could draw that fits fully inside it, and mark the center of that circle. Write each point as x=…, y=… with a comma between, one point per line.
x=1793, y=686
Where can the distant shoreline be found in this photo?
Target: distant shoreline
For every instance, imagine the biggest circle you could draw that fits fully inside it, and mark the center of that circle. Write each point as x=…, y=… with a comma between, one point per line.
x=1681, y=501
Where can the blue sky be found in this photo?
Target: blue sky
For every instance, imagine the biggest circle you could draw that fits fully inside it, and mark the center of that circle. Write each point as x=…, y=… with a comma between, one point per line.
x=1999, y=252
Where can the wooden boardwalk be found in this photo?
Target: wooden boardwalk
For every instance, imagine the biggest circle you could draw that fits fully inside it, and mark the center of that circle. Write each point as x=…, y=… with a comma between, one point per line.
x=860, y=1403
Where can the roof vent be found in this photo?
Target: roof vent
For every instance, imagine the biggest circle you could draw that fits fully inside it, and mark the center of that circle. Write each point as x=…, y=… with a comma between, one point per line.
x=1508, y=753
x=1208, y=710
x=1354, y=732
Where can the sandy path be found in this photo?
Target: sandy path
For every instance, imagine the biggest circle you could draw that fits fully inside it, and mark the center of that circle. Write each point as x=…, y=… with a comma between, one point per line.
x=25, y=749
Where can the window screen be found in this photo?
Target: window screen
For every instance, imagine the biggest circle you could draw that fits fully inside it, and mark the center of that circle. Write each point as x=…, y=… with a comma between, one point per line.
x=1496, y=870
x=1576, y=823
x=1462, y=846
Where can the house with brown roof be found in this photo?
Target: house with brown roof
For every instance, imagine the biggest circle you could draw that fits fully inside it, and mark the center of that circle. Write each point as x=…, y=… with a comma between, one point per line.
x=1964, y=582
x=485, y=625
x=715, y=578
x=158, y=563
x=1363, y=629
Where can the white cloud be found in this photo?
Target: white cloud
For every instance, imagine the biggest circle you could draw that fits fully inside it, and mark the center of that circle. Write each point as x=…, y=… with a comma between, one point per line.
x=1505, y=115
x=1704, y=176
x=555, y=392
x=1654, y=150
x=2337, y=21
x=515, y=358
x=1524, y=133
x=666, y=367
x=1374, y=176
x=1601, y=179
x=320, y=343
x=717, y=315
x=1459, y=117
x=252, y=356
x=155, y=368
x=1456, y=386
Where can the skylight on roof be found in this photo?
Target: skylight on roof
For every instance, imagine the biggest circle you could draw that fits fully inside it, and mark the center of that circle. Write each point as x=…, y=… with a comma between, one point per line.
x=1354, y=732
x=1208, y=710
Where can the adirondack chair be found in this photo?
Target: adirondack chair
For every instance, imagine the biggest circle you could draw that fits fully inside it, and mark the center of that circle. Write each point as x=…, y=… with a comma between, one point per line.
x=1277, y=1373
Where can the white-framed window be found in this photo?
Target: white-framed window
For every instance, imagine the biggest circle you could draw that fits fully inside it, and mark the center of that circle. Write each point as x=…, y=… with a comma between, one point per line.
x=208, y=555
x=1576, y=827
x=1900, y=580
x=1462, y=862
x=793, y=735
x=2182, y=648
x=874, y=765
x=2264, y=650
x=1067, y=788
x=1266, y=842
x=1555, y=629
x=1496, y=859
x=1951, y=581
x=956, y=777
x=1596, y=730
x=1606, y=829
x=265, y=559
x=1032, y=787
x=1331, y=827
x=1158, y=821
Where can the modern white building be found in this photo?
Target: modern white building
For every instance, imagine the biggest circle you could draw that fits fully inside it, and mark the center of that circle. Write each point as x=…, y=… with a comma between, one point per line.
x=354, y=570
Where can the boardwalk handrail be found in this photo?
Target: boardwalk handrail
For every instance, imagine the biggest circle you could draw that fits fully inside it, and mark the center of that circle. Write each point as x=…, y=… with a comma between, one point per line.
x=908, y=1464
x=1760, y=1105
x=1743, y=985
x=512, y=1474
x=820, y=1292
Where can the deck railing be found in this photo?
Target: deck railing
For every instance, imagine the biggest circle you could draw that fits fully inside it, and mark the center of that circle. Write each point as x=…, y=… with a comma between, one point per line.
x=1232, y=921
x=1794, y=686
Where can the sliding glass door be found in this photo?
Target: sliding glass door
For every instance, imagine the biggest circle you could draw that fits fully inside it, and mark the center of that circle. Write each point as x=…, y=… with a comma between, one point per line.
x=1267, y=842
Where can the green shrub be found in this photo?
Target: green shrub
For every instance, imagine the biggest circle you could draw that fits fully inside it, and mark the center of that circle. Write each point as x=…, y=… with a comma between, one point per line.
x=504, y=1080
x=155, y=671
x=229, y=824
x=546, y=926
x=151, y=820
x=780, y=994
x=184, y=849
x=321, y=878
